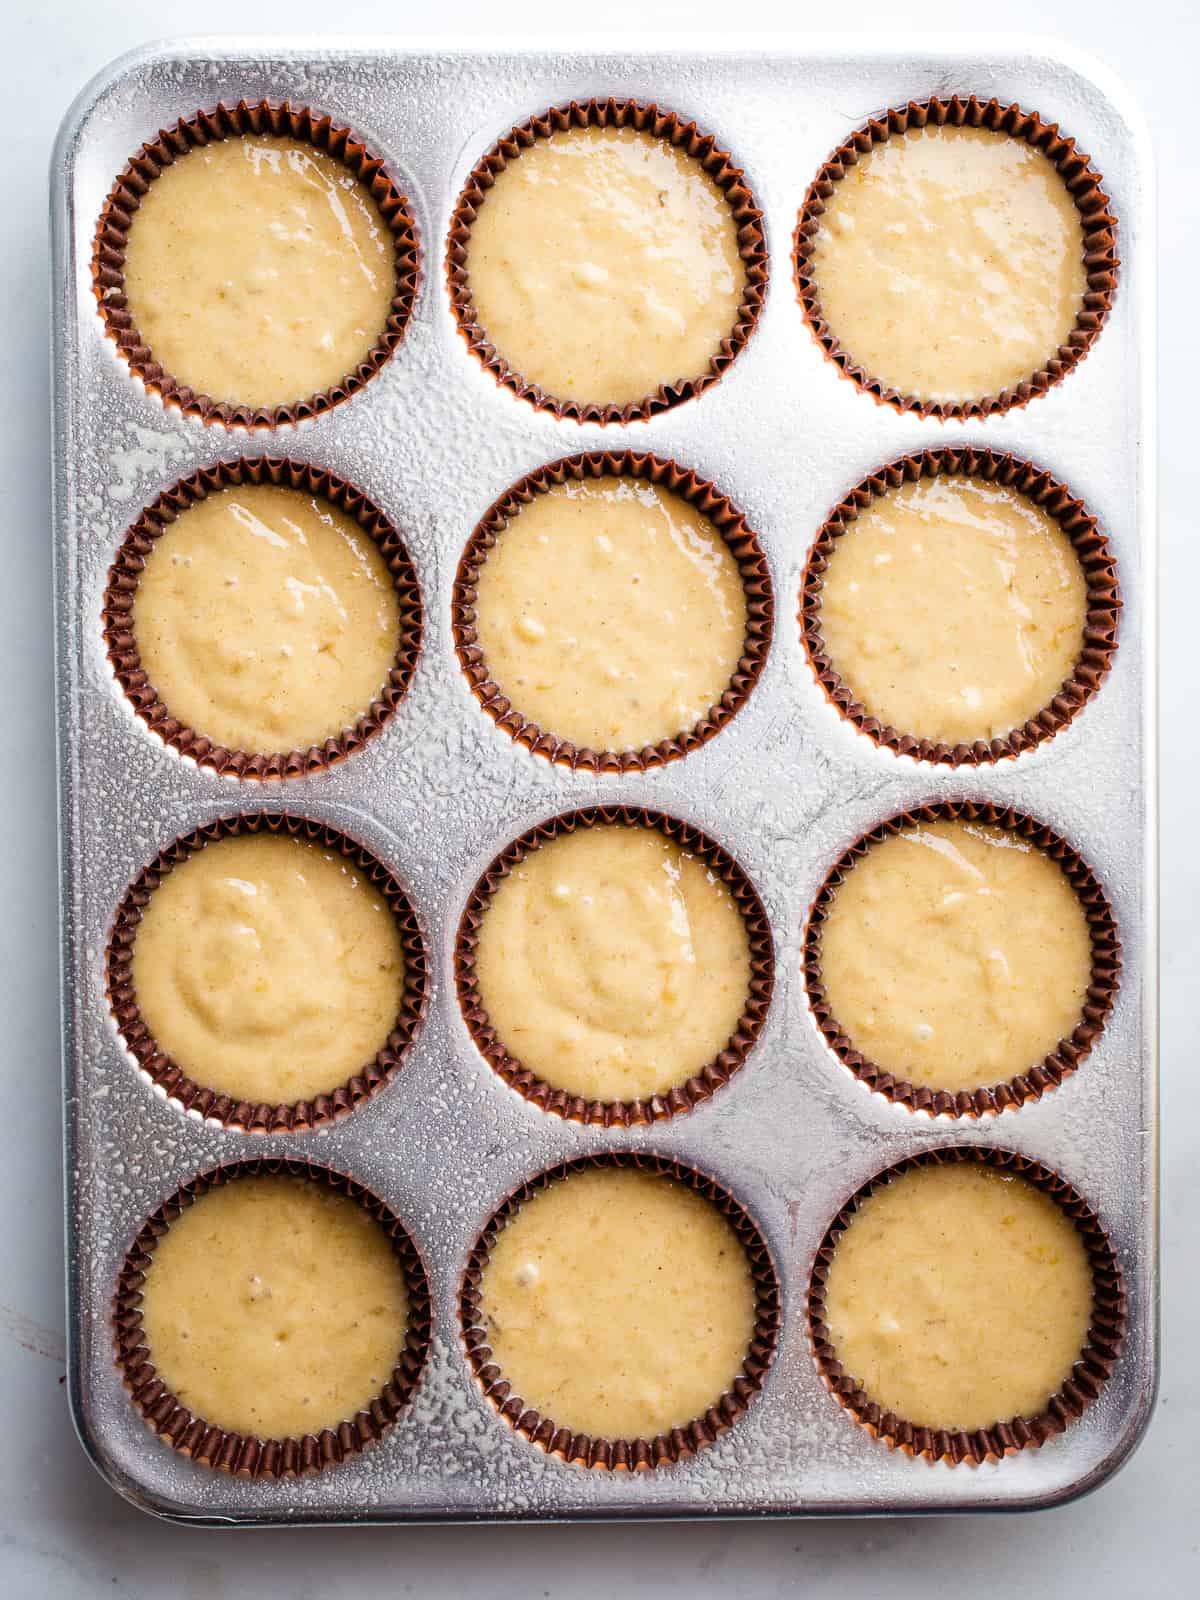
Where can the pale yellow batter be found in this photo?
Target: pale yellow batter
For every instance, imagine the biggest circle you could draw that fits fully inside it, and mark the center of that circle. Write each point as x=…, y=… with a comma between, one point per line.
x=266, y=619
x=268, y=968
x=612, y=963
x=611, y=614
x=949, y=262
x=954, y=609
x=619, y=1304
x=275, y=1306
x=603, y=264
x=959, y=1297
x=956, y=956
x=259, y=271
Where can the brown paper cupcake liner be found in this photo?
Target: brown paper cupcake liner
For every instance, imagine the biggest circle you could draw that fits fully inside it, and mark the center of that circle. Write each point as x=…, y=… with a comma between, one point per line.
x=684, y=1095
x=725, y=518
x=1104, y=1337
x=301, y=1115
x=645, y=118
x=126, y=571
x=1084, y=185
x=625, y=1455
x=245, y=1455
x=230, y=122
x=1100, y=620
x=1066, y=1056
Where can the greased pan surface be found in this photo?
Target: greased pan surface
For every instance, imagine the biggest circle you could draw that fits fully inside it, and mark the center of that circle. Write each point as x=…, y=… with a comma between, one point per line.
x=785, y=787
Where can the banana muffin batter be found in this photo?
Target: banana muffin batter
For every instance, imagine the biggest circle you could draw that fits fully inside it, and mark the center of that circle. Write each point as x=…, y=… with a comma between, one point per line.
x=956, y=955
x=275, y=1306
x=266, y=619
x=268, y=968
x=611, y=613
x=613, y=963
x=949, y=262
x=953, y=609
x=959, y=1296
x=618, y=1303
x=603, y=264
x=259, y=270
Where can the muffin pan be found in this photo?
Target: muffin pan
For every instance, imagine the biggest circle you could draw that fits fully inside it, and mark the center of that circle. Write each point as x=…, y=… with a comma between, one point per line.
x=786, y=785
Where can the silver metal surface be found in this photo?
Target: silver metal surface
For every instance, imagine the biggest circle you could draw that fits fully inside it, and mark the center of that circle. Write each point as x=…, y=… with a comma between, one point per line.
x=785, y=787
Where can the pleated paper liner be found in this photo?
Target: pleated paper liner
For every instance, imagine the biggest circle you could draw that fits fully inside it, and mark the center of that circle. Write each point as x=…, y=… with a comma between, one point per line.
x=245, y=1455
x=192, y=1096
x=126, y=571
x=1066, y=1056
x=1100, y=621
x=1009, y=1435
x=626, y=1455
x=725, y=518
x=689, y=1092
x=230, y=122
x=1082, y=181
x=645, y=118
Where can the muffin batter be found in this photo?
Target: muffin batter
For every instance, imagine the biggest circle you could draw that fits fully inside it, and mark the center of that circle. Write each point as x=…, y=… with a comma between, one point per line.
x=266, y=619
x=949, y=262
x=954, y=609
x=268, y=968
x=275, y=1306
x=955, y=955
x=611, y=614
x=959, y=1297
x=618, y=1303
x=612, y=963
x=259, y=271
x=603, y=264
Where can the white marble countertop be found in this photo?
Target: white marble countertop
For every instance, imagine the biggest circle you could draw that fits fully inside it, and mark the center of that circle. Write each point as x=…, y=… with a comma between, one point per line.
x=62, y=1530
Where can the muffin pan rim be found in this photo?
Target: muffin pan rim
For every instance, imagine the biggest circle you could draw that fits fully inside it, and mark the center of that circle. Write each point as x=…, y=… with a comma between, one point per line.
x=853, y=1476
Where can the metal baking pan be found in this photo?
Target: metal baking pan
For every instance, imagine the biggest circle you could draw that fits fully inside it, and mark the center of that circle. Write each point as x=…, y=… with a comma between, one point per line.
x=785, y=787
